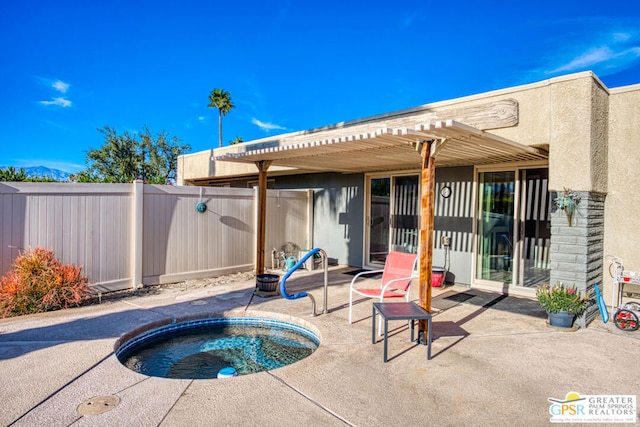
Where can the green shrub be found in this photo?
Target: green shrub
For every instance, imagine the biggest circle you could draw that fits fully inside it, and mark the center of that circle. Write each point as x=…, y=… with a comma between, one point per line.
x=38, y=282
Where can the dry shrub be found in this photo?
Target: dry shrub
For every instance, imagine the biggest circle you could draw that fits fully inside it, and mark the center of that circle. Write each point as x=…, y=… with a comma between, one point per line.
x=38, y=282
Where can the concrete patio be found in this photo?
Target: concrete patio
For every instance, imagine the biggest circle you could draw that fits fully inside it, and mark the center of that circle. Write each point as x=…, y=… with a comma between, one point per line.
x=495, y=361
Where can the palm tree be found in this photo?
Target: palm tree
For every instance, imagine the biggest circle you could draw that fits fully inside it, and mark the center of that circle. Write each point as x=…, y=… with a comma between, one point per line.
x=221, y=100
x=238, y=140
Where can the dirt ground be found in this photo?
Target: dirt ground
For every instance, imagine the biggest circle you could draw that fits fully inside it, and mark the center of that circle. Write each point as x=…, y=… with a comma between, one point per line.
x=192, y=284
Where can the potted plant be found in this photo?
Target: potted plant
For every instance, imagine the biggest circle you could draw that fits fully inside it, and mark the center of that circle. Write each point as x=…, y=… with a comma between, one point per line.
x=563, y=303
x=567, y=201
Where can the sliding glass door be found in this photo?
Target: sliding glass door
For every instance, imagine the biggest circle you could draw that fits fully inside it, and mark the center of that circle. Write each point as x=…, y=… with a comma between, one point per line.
x=393, y=216
x=405, y=216
x=513, y=228
x=378, y=220
x=535, y=227
x=494, y=257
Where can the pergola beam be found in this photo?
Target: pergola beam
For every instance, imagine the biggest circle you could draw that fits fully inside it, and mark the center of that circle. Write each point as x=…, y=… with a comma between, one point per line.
x=263, y=167
x=428, y=179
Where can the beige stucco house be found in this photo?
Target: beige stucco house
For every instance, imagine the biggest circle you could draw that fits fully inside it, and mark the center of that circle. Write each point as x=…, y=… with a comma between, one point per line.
x=502, y=160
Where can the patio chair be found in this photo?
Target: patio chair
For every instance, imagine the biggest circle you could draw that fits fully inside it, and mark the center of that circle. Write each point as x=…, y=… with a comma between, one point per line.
x=399, y=271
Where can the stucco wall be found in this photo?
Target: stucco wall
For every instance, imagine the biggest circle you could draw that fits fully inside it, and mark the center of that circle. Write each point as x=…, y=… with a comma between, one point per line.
x=195, y=166
x=622, y=204
x=577, y=153
x=570, y=115
x=599, y=137
x=569, y=151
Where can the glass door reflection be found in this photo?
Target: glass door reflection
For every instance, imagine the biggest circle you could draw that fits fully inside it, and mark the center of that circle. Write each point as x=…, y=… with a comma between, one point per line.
x=496, y=191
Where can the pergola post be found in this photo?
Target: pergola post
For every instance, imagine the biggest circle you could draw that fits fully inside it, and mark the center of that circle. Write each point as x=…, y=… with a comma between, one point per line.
x=263, y=166
x=428, y=175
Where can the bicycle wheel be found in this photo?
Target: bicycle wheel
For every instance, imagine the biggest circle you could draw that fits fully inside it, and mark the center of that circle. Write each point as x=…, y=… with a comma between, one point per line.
x=626, y=320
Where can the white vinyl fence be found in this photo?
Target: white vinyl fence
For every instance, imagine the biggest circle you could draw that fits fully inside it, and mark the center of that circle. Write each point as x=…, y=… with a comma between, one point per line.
x=127, y=235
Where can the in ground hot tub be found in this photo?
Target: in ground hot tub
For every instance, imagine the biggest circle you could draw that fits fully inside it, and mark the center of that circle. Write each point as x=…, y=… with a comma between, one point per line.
x=216, y=347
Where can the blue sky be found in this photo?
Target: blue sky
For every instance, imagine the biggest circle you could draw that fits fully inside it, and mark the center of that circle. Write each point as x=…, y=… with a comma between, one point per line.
x=69, y=68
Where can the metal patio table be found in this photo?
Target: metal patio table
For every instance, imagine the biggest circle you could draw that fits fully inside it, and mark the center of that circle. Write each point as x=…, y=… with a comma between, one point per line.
x=400, y=311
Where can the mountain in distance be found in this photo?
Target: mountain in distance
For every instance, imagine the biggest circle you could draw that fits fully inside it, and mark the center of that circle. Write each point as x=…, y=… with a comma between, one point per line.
x=43, y=171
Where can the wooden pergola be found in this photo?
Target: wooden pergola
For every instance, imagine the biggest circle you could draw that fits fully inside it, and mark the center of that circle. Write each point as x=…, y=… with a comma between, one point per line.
x=442, y=143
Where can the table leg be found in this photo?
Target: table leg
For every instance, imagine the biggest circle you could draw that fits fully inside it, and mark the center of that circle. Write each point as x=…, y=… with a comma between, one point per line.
x=373, y=324
x=386, y=330
x=411, y=329
x=429, y=325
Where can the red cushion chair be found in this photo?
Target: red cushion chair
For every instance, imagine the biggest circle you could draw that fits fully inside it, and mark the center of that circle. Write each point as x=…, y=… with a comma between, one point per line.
x=399, y=271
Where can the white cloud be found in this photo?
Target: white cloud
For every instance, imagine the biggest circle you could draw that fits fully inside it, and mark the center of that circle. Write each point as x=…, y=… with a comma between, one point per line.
x=267, y=126
x=603, y=52
x=60, y=102
x=600, y=56
x=621, y=37
x=60, y=86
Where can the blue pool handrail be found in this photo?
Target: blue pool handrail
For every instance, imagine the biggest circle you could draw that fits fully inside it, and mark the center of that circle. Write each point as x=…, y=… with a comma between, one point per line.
x=283, y=289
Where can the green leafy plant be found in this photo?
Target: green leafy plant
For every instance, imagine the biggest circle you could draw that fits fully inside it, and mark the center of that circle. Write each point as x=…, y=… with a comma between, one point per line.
x=561, y=298
x=130, y=156
x=38, y=282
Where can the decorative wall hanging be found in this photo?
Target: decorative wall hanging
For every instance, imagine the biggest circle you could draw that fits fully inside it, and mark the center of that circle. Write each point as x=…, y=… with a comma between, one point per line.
x=567, y=201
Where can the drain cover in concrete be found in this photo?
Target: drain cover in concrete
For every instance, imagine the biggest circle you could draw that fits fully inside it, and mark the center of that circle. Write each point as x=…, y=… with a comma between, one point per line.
x=98, y=404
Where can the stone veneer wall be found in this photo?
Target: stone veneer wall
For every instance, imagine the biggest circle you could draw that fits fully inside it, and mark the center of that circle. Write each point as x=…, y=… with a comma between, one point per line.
x=577, y=250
